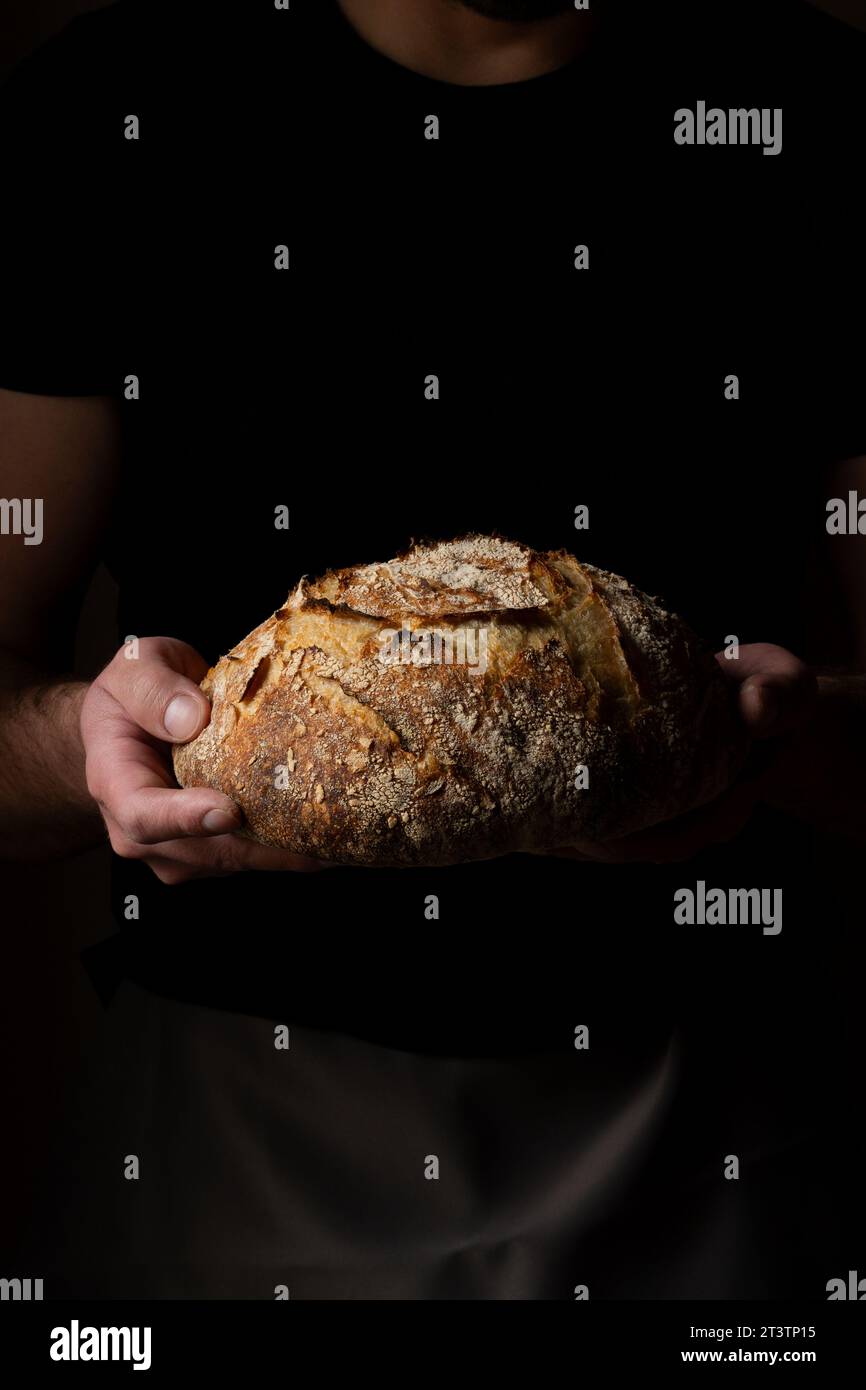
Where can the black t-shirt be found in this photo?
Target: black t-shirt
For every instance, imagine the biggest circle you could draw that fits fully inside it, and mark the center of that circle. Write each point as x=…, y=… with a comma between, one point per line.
x=410, y=256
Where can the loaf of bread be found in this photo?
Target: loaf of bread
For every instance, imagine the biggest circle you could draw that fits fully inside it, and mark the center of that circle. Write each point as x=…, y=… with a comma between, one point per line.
x=465, y=700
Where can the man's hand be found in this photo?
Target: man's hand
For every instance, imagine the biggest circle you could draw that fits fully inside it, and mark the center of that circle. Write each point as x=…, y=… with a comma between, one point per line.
x=131, y=714
x=777, y=694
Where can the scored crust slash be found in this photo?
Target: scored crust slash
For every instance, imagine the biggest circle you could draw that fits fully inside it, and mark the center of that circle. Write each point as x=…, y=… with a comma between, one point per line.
x=337, y=750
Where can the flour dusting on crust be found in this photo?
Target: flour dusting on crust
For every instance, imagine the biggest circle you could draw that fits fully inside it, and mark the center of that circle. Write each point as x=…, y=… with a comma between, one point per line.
x=333, y=753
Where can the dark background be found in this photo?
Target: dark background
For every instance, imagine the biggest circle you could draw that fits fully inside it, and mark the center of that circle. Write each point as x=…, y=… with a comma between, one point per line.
x=48, y=1008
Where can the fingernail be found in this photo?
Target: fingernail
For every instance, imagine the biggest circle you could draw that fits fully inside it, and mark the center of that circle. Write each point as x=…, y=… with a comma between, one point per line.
x=220, y=822
x=181, y=719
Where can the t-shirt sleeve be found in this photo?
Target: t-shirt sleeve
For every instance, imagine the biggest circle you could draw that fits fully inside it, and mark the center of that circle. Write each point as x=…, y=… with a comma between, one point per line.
x=58, y=230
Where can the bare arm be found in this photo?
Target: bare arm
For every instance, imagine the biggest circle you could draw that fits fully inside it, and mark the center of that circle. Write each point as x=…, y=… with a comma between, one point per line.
x=820, y=775
x=64, y=451
x=74, y=756
x=812, y=725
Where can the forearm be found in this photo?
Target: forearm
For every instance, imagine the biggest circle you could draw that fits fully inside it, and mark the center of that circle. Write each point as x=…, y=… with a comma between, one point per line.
x=819, y=774
x=45, y=807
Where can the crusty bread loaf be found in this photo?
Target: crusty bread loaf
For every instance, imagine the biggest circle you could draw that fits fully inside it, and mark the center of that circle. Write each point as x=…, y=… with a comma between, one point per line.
x=347, y=730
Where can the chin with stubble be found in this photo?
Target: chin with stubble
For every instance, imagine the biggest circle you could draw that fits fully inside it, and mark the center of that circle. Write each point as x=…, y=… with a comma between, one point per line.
x=518, y=9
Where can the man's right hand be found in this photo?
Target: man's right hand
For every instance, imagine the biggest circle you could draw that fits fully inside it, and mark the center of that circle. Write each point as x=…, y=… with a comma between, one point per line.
x=134, y=710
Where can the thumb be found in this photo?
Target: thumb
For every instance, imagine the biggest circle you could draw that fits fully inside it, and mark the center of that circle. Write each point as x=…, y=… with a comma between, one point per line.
x=158, y=688
x=776, y=689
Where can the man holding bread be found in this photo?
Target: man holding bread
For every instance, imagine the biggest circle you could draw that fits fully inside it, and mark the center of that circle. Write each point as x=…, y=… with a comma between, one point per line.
x=430, y=322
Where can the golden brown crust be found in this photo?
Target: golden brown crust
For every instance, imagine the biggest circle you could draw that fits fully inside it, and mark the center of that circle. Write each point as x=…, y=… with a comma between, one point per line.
x=334, y=750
